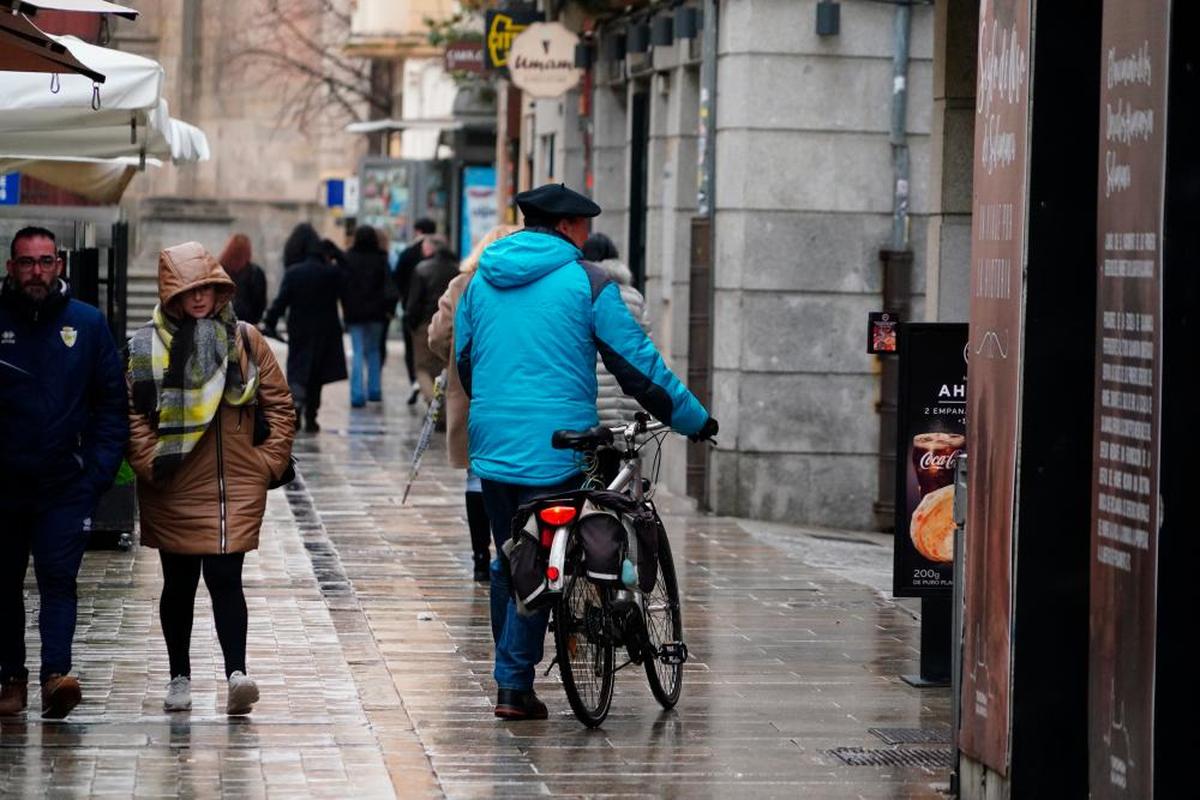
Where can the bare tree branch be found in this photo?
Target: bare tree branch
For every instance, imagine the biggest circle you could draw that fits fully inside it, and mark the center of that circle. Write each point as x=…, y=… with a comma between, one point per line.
x=300, y=45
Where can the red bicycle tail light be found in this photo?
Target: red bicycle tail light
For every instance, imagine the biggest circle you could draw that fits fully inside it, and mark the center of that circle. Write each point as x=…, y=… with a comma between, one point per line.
x=557, y=516
x=552, y=573
x=547, y=537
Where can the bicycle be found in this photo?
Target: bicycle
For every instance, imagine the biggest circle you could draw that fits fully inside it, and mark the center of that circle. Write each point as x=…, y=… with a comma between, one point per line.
x=609, y=574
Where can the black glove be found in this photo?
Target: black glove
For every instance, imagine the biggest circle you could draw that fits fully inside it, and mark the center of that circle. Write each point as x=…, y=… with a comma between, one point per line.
x=707, y=431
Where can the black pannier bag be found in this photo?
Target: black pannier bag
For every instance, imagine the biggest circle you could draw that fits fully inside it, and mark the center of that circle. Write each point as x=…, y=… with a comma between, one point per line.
x=603, y=538
x=646, y=526
x=527, y=562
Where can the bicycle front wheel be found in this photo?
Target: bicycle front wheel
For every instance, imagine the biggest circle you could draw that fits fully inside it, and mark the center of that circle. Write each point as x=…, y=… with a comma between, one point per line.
x=585, y=650
x=664, y=626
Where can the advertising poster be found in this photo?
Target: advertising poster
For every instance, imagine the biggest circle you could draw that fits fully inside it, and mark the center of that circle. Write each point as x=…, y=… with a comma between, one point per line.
x=384, y=200
x=1128, y=405
x=994, y=383
x=931, y=424
x=480, y=206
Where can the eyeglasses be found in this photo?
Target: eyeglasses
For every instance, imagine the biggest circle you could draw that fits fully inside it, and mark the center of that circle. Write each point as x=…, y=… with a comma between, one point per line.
x=28, y=263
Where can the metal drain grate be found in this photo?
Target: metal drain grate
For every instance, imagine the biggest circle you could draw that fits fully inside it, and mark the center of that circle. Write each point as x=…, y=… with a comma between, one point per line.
x=912, y=757
x=938, y=735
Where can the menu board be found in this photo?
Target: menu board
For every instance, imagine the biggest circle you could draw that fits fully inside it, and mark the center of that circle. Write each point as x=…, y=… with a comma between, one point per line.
x=931, y=426
x=1125, y=458
x=994, y=373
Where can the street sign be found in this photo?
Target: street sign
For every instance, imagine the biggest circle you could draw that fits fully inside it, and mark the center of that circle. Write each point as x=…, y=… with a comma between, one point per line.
x=464, y=57
x=542, y=60
x=1128, y=400
x=1001, y=189
x=931, y=436
x=10, y=189
x=501, y=27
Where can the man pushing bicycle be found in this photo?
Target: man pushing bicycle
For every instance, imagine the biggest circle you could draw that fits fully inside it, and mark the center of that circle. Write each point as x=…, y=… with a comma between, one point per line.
x=527, y=333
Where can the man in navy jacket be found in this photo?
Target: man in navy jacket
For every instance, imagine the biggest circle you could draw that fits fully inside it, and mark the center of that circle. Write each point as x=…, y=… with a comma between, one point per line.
x=63, y=426
x=527, y=332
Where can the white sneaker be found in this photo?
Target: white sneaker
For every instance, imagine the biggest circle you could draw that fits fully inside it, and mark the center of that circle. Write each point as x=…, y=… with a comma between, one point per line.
x=243, y=694
x=179, y=694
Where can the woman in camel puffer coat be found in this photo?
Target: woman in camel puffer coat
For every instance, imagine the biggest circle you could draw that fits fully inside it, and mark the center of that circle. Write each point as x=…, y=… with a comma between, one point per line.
x=195, y=377
x=441, y=343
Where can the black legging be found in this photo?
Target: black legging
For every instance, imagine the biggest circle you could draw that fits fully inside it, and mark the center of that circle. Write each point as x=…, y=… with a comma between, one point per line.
x=223, y=577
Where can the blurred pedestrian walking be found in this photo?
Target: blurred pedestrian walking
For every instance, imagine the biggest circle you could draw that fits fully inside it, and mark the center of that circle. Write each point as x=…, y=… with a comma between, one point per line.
x=406, y=264
x=429, y=282
x=198, y=381
x=309, y=296
x=62, y=432
x=367, y=293
x=441, y=343
x=250, y=301
x=614, y=407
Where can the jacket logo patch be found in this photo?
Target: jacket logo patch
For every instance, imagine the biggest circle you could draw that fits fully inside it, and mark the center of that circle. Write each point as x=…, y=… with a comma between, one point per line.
x=8, y=337
x=69, y=335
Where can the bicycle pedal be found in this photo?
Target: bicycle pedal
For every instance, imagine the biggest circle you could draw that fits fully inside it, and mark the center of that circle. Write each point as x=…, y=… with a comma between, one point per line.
x=673, y=653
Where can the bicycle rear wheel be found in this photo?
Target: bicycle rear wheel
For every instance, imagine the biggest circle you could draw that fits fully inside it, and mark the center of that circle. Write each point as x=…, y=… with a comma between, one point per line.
x=664, y=626
x=581, y=640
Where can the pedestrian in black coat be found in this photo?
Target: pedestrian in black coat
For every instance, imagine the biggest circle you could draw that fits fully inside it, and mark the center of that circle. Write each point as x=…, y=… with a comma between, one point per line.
x=309, y=295
x=368, y=296
x=406, y=264
x=429, y=282
x=250, y=301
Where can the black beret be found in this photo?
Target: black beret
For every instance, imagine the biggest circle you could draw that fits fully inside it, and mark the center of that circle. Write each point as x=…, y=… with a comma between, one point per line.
x=556, y=201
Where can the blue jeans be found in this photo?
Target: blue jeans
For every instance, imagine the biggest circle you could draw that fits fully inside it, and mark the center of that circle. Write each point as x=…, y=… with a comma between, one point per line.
x=520, y=640
x=55, y=529
x=365, y=338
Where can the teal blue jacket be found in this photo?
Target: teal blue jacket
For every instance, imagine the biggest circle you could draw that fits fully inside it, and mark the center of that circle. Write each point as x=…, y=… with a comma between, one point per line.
x=526, y=335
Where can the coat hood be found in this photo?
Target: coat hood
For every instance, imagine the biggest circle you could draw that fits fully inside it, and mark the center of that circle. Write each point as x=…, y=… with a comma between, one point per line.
x=618, y=270
x=188, y=265
x=524, y=257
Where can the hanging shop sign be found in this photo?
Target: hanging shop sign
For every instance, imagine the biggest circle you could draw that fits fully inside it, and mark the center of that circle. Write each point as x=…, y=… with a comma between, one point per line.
x=501, y=28
x=542, y=60
x=464, y=57
x=998, y=249
x=931, y=436
x=1128, y=404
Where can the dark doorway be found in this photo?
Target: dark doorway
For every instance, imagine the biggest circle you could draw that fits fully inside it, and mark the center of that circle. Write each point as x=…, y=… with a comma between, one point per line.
x=638, y=156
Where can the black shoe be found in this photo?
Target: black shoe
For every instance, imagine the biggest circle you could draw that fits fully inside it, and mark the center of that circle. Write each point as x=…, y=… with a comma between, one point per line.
x=412, y=398
x=483, y=568
x=513, y=705
x=311, y=426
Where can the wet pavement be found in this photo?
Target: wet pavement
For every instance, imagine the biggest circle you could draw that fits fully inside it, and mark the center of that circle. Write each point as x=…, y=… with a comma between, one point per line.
x=373, y=650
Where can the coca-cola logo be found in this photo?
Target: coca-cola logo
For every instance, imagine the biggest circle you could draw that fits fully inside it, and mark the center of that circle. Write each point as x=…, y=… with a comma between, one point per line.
x=931, y=460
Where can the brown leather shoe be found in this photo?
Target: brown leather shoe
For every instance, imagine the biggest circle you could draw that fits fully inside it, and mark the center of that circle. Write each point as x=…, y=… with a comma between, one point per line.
x=14, y=697
x=514, y=705
x=60, y=694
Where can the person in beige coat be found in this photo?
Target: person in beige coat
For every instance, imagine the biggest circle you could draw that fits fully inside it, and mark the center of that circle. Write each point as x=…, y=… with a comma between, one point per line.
x=197, y=378
x=441, y=342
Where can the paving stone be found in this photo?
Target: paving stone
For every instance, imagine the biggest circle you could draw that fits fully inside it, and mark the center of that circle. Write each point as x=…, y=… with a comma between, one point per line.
x=362, y=699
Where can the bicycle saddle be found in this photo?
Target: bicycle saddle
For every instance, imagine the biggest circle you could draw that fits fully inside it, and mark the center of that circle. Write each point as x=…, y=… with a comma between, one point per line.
x=582, y=440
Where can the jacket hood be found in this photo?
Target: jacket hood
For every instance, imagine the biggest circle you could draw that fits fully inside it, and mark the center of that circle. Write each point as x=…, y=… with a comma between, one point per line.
x=618, y=270
x=524, y=257
x=188, y=265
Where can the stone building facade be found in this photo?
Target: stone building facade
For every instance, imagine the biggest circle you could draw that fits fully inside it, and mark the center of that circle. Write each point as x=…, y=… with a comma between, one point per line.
x=802, y=207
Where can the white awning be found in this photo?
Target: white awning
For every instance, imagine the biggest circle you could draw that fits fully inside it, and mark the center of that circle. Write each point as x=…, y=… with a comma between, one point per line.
x=124, y=117
x=86, y=6
x=103, y=180
x=26, y=48
x=376, y=125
